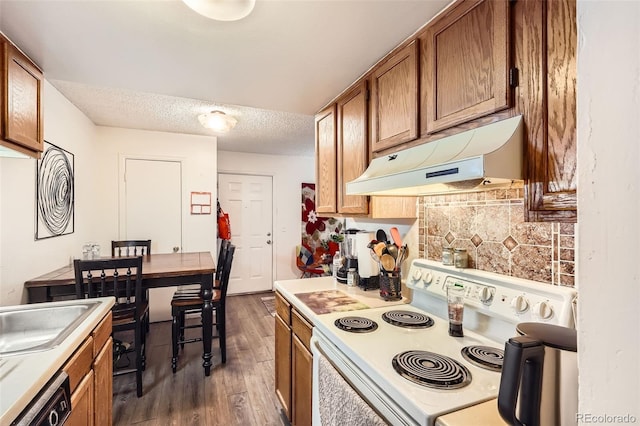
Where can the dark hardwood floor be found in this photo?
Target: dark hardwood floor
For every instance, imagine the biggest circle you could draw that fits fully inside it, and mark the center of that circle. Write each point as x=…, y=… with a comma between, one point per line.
x=240, y=392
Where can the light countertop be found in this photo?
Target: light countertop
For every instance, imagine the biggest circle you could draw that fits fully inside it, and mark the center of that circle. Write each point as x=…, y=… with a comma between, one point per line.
x=23, y=376
x=291, y=288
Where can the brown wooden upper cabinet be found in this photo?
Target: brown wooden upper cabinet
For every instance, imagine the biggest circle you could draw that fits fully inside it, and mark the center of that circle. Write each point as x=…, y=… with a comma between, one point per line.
x=353, y=147
x=465, y=64
x=326, y=151
x=394, y=99
x=549, y=104
x=21, y=97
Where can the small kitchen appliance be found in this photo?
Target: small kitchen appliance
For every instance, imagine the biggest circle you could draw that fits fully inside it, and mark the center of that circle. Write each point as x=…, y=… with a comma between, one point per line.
x=406, y=368
x=537, y=364
x=356, y=255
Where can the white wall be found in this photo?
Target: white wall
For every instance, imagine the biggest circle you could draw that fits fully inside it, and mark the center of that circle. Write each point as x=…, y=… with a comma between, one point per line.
x=21, y=257
x=198, y=156
x=288, y=172
x=608, y=209
x=96, y=153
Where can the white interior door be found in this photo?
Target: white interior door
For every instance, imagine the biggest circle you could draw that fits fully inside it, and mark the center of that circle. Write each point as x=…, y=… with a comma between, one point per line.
x=152, y=210
x=248, y=201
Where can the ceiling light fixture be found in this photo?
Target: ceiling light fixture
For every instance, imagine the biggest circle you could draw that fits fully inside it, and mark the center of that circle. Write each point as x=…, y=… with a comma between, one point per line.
x=222, y=10
x=217, y=121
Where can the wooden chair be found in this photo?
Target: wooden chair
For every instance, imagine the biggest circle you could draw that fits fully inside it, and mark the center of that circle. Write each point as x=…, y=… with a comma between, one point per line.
x=121, y=277
x=125, y=248
x=183, y=303
x=130, y=248
x=194, y=289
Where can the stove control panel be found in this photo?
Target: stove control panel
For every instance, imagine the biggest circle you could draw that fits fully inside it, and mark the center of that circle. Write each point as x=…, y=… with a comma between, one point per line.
x=513, y=299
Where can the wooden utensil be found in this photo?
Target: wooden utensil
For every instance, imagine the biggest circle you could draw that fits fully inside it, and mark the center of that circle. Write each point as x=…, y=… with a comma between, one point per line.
x=379, y=248
x=388, y=262
x=395, y=236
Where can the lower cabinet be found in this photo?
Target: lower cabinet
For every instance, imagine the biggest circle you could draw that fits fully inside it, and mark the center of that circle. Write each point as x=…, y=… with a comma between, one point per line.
x=293, y=362
x=90, y=371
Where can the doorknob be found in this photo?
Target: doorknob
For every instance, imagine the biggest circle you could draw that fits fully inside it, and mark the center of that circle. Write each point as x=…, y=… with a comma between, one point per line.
x=268, y=241
x=176, y=249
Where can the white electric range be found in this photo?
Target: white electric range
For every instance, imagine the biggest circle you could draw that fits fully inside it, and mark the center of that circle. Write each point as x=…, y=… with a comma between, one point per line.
x=410, y=376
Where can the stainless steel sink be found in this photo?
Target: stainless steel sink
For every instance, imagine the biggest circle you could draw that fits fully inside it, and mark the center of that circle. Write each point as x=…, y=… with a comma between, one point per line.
x=30, y=328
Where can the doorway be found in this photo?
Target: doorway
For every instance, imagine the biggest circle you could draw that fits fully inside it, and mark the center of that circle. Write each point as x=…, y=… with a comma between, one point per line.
x=249, y=201
x=151, y=208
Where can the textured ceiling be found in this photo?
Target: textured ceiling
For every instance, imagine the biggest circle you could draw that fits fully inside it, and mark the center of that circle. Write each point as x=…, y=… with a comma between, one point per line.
x=156, y=65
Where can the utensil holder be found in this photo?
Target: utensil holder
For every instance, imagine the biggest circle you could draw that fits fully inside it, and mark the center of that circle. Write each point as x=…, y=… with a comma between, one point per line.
x=390, y=286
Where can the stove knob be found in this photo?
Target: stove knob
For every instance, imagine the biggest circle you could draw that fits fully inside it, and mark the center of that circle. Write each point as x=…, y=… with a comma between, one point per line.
x=543, y=309
x=427, y=277
x=416, y=276
x=486, y=295
x=520, y=304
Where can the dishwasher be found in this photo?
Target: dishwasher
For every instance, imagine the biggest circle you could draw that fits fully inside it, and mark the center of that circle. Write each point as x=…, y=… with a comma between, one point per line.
x=52, y=405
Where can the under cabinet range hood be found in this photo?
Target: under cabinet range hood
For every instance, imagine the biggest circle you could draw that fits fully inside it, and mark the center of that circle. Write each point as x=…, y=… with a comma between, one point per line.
x=488, y=157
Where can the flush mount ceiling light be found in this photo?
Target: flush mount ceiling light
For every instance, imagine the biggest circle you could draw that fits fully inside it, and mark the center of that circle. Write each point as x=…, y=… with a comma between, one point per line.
x=217, y=121
x=222, y=10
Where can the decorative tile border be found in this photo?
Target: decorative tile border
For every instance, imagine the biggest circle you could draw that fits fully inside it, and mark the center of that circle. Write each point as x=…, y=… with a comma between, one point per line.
x=491, y=226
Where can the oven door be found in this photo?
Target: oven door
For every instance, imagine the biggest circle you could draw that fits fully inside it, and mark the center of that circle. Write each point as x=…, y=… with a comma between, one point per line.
x=342, y=394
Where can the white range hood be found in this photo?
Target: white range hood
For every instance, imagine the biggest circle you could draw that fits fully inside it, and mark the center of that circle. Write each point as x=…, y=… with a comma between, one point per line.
x=487, y=157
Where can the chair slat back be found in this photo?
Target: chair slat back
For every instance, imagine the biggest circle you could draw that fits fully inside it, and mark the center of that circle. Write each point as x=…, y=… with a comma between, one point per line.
x=131, y=248
x=224, y=249
x=226, y=272
x=119, y=277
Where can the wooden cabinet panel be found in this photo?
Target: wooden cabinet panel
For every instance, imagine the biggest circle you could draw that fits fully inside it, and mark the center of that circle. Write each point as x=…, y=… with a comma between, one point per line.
x=79, y=364
x=82, y=403
x=302, y=384
x=394, y=99
x=283, y=365
x=103, y=384
x=283, y=308
x=326, y=151
x=465, y=64
x=549, y=105
x=353, y=147
x=393, y=207
x=301, y=328
x=21, y=97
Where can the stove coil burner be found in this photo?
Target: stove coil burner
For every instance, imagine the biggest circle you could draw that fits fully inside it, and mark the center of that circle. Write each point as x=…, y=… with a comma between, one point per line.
x=356, y=324
x=484, y=357
x=407, y=319
x=431, y=370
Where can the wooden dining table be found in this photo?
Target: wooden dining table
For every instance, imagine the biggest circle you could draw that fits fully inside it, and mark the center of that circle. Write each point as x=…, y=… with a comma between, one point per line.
x=158, y=270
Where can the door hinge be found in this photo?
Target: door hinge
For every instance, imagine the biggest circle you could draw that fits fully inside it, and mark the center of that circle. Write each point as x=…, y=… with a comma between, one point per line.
x=514, y=80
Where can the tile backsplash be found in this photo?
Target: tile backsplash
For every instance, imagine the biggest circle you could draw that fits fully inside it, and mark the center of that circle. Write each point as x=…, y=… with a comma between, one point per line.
x=491, y=226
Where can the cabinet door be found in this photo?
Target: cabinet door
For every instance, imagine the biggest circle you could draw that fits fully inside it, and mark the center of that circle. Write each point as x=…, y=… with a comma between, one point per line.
x=82, y=403
x=103, y=384
x=283, y=365
x=326, y=176
x=302, y=383
x=394, y=99
x=22, y=102
x=353, y=147
x=465, y=64
x=550, y=40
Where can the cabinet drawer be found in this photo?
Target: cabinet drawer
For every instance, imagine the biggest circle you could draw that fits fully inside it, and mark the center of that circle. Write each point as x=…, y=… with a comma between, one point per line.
x=80, y=363
x=301, y=328
x=283, y=308
x=101, y=334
